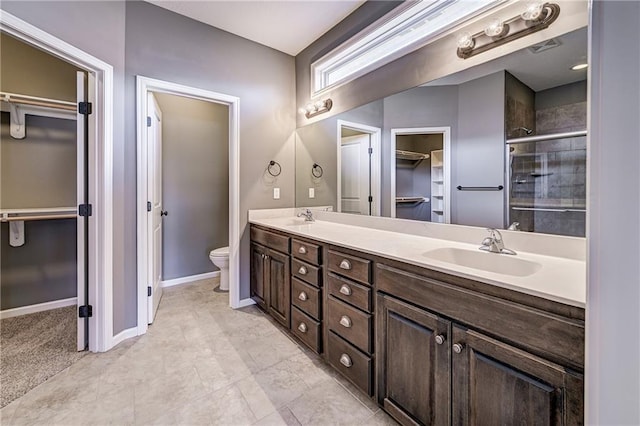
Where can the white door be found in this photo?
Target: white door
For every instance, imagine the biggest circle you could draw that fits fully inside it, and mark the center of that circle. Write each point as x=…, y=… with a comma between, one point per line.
x=355, y=170
x=154, y=192
x=81, y=148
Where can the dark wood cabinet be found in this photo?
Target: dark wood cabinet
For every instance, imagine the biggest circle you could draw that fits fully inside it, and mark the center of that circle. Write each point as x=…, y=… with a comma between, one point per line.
x=279, y=283
x=258, y=287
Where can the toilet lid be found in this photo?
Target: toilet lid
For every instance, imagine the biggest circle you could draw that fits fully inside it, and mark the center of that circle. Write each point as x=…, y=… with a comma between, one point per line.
x=222, y=251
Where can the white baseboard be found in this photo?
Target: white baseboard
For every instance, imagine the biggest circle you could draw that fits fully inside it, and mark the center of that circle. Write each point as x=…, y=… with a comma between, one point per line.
x=123, y=335
x=189, y=279
x=246, y=302
x=30, y=309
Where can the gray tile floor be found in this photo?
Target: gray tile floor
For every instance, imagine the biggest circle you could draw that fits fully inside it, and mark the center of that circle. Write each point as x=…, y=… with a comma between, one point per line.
x=199, y=363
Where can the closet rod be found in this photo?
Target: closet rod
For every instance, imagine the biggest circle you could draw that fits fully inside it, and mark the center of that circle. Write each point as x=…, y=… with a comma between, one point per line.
x=35, y=101
x=43, y=217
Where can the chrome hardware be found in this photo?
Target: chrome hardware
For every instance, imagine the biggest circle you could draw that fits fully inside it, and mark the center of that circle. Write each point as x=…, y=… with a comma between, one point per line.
x=302, y=270
x=303, y=296
x=345, y=264
x=346, y=360
x=302, y=250
x=345, y=321
x=494, y=243
x=345, y=289
x=515, y=226
x=440, y=339
x=457, y=347
x=303, y=327
x=308, y=215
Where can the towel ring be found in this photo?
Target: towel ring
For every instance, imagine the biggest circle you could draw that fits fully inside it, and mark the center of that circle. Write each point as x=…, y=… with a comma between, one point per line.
x=270, y=168
x=316, y=170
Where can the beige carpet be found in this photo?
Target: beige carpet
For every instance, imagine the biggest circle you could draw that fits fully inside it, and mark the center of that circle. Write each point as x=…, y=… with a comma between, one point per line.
x=34, y=348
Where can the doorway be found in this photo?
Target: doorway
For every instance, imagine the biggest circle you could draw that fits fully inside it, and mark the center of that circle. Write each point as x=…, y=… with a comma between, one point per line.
x=421, y=174
x=157, y=99
x=358, y=168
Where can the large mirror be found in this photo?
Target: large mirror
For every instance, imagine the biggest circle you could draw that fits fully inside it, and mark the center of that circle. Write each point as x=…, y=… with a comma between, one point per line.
x=501, y=145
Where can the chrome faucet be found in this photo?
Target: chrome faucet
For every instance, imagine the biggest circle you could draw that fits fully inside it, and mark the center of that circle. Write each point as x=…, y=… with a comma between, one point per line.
x=494, y=243
x=308, y=215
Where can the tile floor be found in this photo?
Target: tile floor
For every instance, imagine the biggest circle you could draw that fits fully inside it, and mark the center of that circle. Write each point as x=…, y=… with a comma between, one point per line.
x=199, y=363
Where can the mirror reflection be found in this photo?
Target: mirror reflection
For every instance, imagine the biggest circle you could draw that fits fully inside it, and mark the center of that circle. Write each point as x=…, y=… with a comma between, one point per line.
x=500, y=145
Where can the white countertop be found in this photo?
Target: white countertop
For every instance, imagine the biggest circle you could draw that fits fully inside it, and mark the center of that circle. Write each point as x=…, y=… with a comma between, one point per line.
x=559, y=279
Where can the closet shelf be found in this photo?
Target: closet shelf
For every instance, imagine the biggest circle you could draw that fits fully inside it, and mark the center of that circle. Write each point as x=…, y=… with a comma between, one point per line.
x=14, y=215
x=410, y=201
x=415, y=157
x=20, y=105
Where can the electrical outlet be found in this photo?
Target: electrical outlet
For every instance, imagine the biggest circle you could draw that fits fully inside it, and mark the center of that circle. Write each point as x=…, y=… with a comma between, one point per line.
x=312, y=193
x=276, y=193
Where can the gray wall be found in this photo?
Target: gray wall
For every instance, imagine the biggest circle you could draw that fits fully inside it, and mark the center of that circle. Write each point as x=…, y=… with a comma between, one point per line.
x=613, y=224
x=195, y=184
x=562, y=95
x=198, y=55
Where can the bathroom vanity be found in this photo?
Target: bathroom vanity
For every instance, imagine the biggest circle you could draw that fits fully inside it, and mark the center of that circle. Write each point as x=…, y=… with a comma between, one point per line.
x=431, y=343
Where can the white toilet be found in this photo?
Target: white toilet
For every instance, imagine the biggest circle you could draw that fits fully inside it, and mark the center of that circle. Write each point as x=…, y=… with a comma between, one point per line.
x=220, y=258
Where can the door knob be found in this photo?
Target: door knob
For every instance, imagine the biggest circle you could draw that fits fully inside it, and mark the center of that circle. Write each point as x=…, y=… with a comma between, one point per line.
x=164, y=213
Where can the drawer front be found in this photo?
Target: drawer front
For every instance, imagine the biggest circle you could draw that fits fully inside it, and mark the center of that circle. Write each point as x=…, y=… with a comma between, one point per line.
x=305, y=251
x=306, y=297
x=350, y=323
x=306, y=329
x=353, y=267
x=551, y=336
x=355, y=294
x=349, y=361
x=270, y=239
x=308, y=273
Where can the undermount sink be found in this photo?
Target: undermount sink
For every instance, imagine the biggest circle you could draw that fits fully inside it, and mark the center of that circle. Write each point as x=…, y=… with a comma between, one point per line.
x=292, y=221
x=485, y=261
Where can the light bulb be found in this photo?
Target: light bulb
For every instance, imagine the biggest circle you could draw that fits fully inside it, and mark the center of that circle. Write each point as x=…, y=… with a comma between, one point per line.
x=319, y=104
x=465, y=41
x=496, y=28
x=533, y=11
x=302, y=110
x=310, y=108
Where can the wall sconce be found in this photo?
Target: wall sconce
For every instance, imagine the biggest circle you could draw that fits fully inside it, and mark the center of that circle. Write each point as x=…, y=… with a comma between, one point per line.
x=313, y=109
x=537, y=16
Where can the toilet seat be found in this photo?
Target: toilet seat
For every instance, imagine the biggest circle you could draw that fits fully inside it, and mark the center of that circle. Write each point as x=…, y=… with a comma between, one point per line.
x=220, y=252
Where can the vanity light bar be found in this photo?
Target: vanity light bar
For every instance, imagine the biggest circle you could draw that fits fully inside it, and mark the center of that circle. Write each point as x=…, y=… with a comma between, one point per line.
x=313, y=109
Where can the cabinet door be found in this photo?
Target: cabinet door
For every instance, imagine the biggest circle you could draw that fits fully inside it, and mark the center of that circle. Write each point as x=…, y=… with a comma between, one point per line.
x=413, y=368
x=279, y=281
x=259, y=291
x=497, y=384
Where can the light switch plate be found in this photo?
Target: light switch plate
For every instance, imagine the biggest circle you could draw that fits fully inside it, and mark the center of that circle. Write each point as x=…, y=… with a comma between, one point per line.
x=276, y=193
x=312, y=193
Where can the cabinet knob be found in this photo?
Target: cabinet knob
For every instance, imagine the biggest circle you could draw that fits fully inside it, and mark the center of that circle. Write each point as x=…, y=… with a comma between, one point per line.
x=346, y=360
x=345, y=289
x=303, y=327
x=345, y=321
x=264, y=256
x=345, y=264
x=302, y=250
x=440, y=339
x=457, y=347
x=303, y=296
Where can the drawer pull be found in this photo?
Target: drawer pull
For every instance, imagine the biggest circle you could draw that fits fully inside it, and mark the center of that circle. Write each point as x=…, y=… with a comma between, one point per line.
x=302, y=270
x=457, y=347
x=303, y=296
x=303, y=327
x=345, y=321
x=345, y=289
x=345, y=264
x=440, y=339
x=302, y=250
x=346, y=360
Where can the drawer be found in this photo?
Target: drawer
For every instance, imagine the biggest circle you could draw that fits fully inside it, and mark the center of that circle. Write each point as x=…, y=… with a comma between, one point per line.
x=305, y=251
x=306, y=329
x=350, y=323
x=349, y=266
x=306, y=297
x=308, y=273
x=349, y=361
x=355, y=294
x=270, y=239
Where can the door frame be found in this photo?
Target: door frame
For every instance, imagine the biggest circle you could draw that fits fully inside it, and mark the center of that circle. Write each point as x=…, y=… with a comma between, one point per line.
x=446, y=146
x=143, y=86
x=375, y=134
x=100, y=172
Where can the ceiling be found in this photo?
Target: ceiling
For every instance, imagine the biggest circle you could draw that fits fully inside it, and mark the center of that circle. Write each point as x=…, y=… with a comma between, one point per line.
x=287, y=26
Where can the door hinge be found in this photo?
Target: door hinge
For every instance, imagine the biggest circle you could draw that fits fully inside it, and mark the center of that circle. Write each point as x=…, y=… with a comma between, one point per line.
x=84, y=210
x=370, y=199
x=148, y=121
x=148, y=206
x=85, y=311
x=149, y=291
x=85, y=108
x=370, y=151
